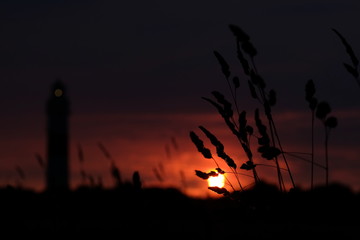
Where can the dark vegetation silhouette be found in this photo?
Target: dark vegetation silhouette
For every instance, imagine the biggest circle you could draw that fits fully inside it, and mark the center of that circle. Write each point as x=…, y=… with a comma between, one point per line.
x=258, y=211
x=353, y=68
x=321, y=203
x=269, y=144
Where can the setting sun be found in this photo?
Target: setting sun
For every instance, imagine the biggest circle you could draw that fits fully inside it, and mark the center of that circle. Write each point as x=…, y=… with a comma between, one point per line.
x=216, y=181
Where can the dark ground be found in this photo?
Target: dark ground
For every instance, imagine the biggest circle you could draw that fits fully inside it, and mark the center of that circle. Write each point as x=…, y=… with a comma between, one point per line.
x=260, y=213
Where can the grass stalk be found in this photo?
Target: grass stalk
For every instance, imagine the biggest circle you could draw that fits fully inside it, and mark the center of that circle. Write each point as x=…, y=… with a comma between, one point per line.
x=280, y=178
x=273, y=132
x=304, y=159
x=226, y=179
x=237, y=179
x=312, y=150
x=284, y=157
x=326, y=156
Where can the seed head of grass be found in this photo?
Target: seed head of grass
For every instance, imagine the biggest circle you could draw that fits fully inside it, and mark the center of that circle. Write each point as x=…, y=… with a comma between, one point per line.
x=200, y=145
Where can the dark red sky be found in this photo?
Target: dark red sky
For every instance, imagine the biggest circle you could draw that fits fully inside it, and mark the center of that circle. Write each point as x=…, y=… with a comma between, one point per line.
x=135, y=73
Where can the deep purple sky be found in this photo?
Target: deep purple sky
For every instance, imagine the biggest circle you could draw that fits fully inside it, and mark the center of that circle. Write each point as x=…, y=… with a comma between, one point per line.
x=156, y=58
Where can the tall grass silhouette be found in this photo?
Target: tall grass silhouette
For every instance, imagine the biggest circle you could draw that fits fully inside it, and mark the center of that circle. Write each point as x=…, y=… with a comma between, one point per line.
x=269, y=144
x=312, y=100
x=353, y=68
x=114, y=170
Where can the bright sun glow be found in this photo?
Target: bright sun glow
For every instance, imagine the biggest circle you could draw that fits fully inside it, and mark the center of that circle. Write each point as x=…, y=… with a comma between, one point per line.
x=218, y=181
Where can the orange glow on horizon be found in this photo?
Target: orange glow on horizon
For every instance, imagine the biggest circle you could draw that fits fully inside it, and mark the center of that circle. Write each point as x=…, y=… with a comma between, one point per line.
x=123, y=136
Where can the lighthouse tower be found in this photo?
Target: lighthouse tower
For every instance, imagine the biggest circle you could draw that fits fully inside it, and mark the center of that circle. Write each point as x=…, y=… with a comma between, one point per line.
x=57, y=110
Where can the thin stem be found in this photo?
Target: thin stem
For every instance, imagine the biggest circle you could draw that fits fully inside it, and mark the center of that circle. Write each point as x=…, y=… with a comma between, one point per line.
x=304, y=159
x=234, y=100
x=271, y=126
x=243, y=174
x=274, y=131
x=227, y=180
x=256, y=176
x=326, y=156
x=302, y=153
x=280, y=178
x=282, y=153
x=237, y=179
x=312, y=149
x=267, y=165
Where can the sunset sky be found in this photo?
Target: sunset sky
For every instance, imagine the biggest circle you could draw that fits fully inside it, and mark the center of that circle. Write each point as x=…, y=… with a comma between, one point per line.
x=135, y=72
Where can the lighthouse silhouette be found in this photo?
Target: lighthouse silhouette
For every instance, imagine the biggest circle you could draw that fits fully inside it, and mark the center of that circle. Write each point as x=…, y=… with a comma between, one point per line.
x=57, y=110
